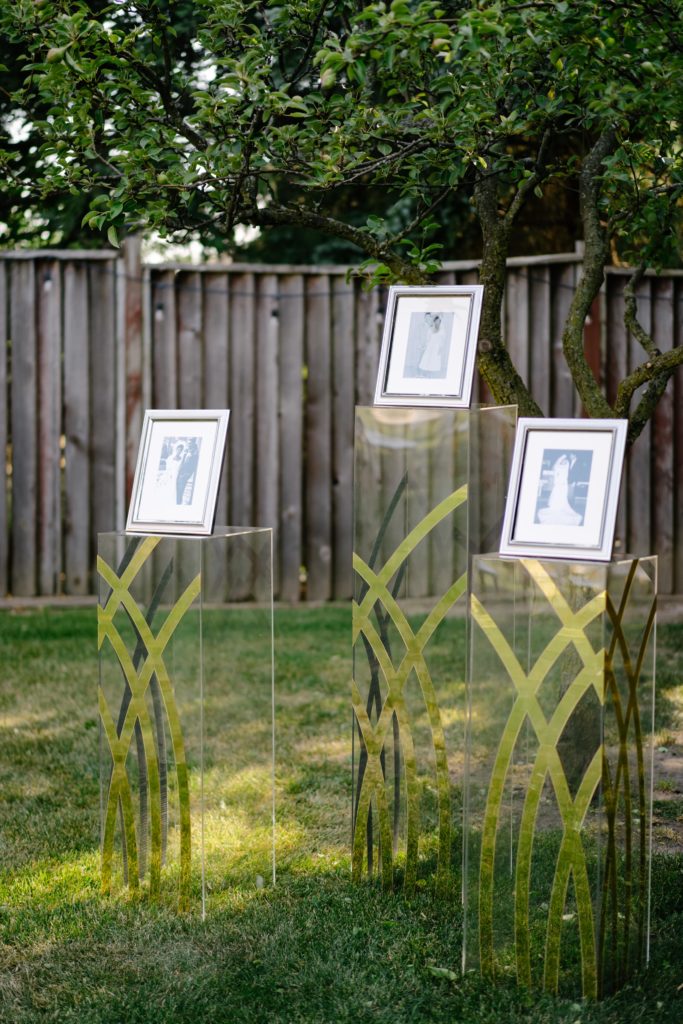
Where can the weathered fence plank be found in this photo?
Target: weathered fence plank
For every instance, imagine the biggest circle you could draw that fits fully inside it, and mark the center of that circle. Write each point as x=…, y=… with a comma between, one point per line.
x=242, y=381
x=190, y=354
x=541, y=331
x=616, y=344
x=369, y=320
x=49, y=354
x=164, y=342
x=4, y=406
x=639, y=479
x=342, y=435
x=129, y=321
x=562, y=400
x=516, y=331
x=102, y=283
x=677, y=339
x=267, y=441
x=291, y=419
x=77, y=350
x=318, y=440
x=663, y=507
x=215, y=321
x=241, y=432
x=24, y=429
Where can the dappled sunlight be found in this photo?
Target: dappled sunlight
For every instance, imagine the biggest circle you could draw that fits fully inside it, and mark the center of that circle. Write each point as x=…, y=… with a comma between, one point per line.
x=52, y=881
x=325, y=749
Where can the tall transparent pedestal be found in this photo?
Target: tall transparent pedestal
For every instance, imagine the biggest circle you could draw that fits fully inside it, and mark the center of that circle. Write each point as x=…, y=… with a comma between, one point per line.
x=186, y=713
x=418, y=477
x=558, y=776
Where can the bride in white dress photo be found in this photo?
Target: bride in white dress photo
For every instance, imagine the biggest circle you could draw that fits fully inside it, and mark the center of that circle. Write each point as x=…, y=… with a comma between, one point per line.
x=558, y=511
x=432, y=360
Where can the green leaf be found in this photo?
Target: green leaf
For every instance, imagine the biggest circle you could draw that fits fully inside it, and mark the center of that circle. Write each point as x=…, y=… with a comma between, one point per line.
x=112, y=236
x=443, y=972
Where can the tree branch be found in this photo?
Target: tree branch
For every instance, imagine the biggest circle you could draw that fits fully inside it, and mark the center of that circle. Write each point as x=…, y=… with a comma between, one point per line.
x=631, y=315
x=663, y=364
x=596, y=242
x=646, y=406
x=277, y=214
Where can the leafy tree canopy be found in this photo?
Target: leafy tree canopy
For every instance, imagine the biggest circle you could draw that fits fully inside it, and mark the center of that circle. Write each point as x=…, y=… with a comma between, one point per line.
x=205, y=114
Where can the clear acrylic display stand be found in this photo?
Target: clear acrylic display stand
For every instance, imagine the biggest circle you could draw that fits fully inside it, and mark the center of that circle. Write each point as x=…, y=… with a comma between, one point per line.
x=418, y=475
x=186, y=712
x=558, y=776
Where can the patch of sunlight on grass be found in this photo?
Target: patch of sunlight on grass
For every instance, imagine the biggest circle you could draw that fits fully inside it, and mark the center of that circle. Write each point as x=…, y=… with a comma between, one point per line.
x=51, y=881
x=325, y=748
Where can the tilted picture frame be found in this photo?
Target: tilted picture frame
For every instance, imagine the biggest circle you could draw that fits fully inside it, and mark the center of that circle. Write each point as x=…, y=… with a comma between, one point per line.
x=429, y=346
x=178, y=470
x=564, y=488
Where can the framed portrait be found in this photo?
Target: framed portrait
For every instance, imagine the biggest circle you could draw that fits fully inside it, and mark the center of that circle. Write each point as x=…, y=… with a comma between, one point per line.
x=178, y=471
x=564, y=488
x=429, y=346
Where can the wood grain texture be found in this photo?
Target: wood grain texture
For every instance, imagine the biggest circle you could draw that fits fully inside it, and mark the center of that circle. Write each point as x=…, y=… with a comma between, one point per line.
x=615, y=370
x=517, y=321
x=291, y=337
x=677, y=338
x=77, y=351
x=215, y=320
x=369, y=323
x=639, y=496
x=190, y=340
x=562, y=398
x=267, y=440
x=318, y=440
x=663, y=436
x=24, y=429
x=132, y=329
x=540, y=330
x=241, y=434
x=4, y=426
x=49, y=352
x=164, y=341
x=103, y=391
x=342, y=437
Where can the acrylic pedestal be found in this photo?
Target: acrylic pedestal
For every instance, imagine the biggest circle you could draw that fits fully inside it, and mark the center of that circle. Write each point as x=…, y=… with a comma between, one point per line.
x=186, y=712
x=558, y=776
x=418, y=477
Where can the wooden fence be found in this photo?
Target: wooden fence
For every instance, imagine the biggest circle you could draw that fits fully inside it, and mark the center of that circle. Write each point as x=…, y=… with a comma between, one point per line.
x=92, y=339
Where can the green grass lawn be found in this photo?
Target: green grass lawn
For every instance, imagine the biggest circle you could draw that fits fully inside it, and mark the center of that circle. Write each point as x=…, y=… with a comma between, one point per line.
x=315, y=948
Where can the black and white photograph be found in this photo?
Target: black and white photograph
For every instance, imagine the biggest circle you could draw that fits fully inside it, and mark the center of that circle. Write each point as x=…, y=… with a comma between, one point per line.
x=178, y=471
x=429, y=346
x=564, y=488
x=178, y=468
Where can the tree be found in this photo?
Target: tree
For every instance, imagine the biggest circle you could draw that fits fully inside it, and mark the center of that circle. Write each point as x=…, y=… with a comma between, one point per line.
x=268, y=114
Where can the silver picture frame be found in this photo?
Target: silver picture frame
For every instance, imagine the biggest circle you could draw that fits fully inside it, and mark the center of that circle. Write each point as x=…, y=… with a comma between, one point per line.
x=178, y=471
x=429, y=345
x=564, y=489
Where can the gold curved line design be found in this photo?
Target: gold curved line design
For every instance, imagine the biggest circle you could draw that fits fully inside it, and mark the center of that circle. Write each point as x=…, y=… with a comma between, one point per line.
x=395, y=678
x=526, y=706
x=598, y=670
x=625, y=719
x=119, y=744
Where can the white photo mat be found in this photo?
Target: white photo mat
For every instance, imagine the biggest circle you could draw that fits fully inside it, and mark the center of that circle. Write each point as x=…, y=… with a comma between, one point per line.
x=429, y=346
x=564, y=488
x=178, y=471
